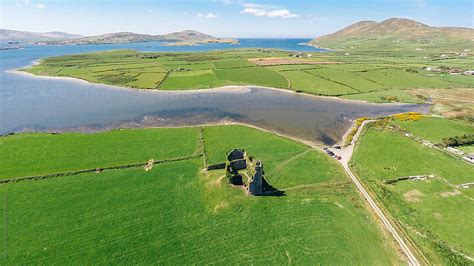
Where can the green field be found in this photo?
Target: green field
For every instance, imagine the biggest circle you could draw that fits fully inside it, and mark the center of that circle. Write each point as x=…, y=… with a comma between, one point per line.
x=374, y=76
x=196, y=79
x=435, y=213
x=347, y=78
x=41, y=153
x=176, y=213
x=436, y=129
x=307, y=82
x=251, y=75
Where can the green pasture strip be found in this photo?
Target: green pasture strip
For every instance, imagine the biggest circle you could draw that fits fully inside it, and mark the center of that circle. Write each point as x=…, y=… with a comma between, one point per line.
x=434, y=212
x=232, y=64
x=435, y=129
x=251, y=76
x=39, y=154
x=193, y=66
x=283, y=68
x=396, y=78
x=386, y=96
x=349, y=79
x=189, y=80
x=312, y=84
x=147, y=80
x=96, y=170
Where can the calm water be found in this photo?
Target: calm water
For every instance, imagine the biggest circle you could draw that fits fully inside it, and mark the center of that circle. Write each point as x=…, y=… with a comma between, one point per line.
x=30, y=104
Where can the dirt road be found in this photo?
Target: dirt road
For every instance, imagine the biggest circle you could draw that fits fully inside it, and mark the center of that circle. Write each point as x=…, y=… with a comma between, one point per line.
x=346, y=154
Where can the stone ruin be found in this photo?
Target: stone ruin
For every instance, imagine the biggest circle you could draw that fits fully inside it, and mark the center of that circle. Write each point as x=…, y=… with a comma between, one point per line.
x=240, y=164
x=242, y=170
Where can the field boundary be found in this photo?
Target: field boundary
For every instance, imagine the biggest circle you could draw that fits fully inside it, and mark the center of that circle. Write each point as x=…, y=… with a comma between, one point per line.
x=97, y=169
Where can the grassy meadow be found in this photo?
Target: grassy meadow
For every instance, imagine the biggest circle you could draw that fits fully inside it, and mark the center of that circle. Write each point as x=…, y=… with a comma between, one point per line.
x=435, y=129
x=435, y=213
x=177, y=213
x=374, y=77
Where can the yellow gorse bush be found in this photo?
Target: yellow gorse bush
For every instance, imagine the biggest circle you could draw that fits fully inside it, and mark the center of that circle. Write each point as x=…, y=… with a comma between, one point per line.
x=410, y=116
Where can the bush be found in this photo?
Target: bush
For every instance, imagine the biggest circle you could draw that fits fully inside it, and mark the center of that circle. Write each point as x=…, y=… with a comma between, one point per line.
x=390, y=98
x=410, y=116
x=354, y=130
x=466, y=139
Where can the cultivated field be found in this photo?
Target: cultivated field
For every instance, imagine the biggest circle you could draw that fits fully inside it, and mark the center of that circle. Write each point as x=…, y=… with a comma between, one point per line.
x=375, y=77
x=177, y=213
x=436, y=213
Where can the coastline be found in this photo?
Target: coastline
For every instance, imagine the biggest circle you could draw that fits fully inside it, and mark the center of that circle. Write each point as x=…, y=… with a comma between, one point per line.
x=305, y=142
x=226, y=88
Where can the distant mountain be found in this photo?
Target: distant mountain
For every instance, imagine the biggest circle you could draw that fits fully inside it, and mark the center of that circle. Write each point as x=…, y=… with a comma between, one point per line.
x=26, y=36
x=187, y=37
x=396, y=33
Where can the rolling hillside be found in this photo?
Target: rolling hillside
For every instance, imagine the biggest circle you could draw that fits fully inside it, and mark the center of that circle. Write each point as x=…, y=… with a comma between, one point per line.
x=26, y=36
x=187, y=37
x=397, y=34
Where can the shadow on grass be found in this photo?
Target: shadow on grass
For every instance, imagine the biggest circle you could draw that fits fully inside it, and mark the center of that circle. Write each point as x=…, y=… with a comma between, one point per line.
x=269, y=190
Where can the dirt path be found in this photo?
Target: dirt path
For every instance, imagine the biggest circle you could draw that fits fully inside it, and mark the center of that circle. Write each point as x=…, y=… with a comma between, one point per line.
x=346, y=154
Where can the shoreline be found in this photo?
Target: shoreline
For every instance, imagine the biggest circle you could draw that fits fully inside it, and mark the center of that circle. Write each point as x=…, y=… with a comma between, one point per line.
x=303, y=141
x=226, y=88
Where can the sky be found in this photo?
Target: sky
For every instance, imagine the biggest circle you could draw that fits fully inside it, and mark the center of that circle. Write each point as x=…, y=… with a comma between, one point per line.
x=224, y=18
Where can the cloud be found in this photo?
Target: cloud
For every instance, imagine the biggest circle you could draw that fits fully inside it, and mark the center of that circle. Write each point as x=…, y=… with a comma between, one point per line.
x=260, y=6
x=40, y=6
x=208, y=15
x=275, y=13
x=254, y=11
x=262, y=10
x=281, y=13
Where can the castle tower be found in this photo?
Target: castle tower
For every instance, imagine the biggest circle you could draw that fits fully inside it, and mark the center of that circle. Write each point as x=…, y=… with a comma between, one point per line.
x=256, y=185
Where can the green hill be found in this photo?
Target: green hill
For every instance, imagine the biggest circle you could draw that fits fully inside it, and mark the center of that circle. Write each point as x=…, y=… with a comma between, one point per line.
x=397, y=34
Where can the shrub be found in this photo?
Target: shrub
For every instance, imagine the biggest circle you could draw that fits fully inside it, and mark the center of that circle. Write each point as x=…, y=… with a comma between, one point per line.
x=466, y=139
x=410, y=116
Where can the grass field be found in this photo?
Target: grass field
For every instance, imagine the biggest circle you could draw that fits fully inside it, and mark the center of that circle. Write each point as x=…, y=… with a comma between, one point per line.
x=374, y=77
x=41, y=153
x=307, y=82
x=251, y=75
x=347, y=78
x=436, y=129
x=435, y=212
x=176, y=213
x=197, y=79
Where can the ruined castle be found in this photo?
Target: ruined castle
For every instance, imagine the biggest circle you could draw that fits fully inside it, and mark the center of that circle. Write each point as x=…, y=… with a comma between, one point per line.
x=242, y=170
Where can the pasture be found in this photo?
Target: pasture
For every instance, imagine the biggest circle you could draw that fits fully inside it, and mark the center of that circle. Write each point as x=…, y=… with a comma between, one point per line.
x=435, y=129
x=434, y=212
x=177, y=213
x=373, y=77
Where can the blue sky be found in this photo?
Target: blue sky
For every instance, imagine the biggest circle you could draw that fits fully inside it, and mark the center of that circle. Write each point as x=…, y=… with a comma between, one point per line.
x=224, y=18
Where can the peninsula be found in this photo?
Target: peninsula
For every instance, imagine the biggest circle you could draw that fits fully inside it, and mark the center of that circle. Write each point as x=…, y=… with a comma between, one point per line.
x=182, y=38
